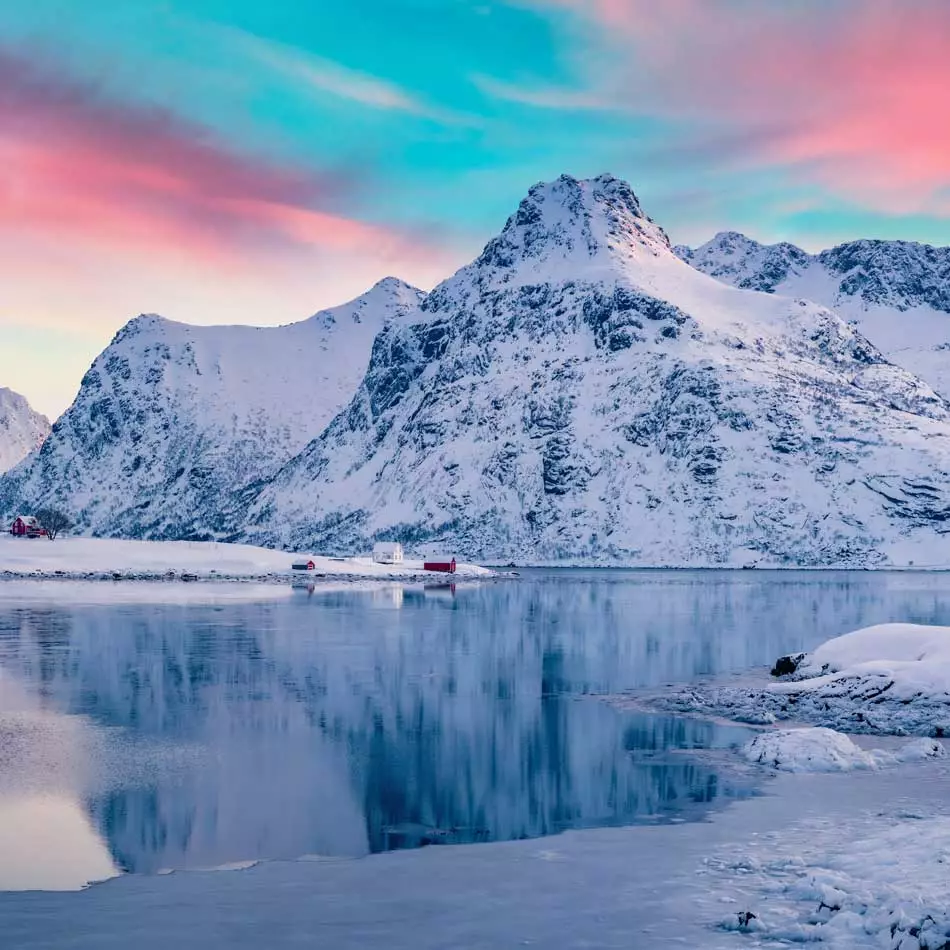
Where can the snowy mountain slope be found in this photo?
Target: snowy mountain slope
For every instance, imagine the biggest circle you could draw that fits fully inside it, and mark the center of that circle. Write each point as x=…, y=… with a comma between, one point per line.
x=172, y=421
x=579, y=392
x=896, y=292
x=22, y=429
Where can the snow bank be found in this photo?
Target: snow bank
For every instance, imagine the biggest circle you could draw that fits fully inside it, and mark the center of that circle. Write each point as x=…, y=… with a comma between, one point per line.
x=817, y=749
x=808, y=750
x=887, y=679
x=915, y=657
x=85, y=557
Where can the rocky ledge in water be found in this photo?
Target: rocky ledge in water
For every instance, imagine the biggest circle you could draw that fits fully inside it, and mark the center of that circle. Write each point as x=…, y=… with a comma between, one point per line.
x=889, y=679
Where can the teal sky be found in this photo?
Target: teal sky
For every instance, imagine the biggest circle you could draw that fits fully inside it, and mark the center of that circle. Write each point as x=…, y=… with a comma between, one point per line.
x=250, y=162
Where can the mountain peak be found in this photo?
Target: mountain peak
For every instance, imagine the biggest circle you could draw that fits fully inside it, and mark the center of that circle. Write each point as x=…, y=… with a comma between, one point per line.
x=737, y=259
x=584, y=221
x=393, y=285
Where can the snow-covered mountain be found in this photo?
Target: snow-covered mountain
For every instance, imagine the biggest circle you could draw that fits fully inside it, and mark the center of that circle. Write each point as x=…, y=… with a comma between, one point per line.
x=896, y=292
x=580, y=392
x=173, y=421
x=22, y=428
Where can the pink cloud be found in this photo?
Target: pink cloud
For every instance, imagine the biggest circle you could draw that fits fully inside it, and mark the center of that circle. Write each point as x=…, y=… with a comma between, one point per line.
x=851, y=94
x=78, y=164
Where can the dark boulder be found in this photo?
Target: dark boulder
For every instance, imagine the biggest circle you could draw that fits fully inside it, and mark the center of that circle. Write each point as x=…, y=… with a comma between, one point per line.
x=786, y=665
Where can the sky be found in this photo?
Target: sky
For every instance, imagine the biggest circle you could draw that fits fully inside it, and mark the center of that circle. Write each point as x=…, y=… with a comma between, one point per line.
x=241, y=161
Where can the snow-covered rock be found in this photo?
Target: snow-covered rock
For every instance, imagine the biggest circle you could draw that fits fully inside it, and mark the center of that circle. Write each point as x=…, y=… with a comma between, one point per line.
x=808, y=750
x=896, y=292
x=579, y=392
x=891, y=678
x=920, y=750
x=22, y=429
x=173, y=421
x=818, y=749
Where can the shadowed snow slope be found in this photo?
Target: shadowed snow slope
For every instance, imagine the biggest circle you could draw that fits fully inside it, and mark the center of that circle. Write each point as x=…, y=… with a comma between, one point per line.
x=22, y=429
x=580, y=392
x=896, y=292
x=173, y=421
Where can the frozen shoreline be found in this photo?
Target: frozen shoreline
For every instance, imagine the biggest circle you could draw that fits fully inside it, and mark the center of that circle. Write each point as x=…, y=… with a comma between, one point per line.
x=102, y=559
x=856, y=860
x=890, y=679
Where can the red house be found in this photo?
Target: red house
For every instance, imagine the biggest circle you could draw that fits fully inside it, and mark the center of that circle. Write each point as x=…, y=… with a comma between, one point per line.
x=26, y=526
x=442, y=567
x=303, y=566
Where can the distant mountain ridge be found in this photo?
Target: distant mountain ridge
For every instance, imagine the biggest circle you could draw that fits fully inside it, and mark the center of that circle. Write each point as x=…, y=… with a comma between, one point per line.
x=22, y=429
x=172, y=422
x=579, y=392
x=870, y=282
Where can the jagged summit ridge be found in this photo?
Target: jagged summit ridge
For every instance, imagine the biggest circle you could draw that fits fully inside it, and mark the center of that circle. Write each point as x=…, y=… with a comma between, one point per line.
x=872, y=283
x=898, y=274
x=573, y=220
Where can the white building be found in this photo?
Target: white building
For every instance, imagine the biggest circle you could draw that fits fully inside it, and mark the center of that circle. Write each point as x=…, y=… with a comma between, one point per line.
x=387, y=552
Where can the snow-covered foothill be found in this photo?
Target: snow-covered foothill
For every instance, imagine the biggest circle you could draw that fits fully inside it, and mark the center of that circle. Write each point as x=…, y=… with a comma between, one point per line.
x=173, y=421
x=22, y=429
x=84, y=557
x=889, y=679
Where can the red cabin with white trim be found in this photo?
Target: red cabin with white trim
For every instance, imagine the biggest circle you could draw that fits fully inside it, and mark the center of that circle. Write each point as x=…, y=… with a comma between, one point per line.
x=26, y=526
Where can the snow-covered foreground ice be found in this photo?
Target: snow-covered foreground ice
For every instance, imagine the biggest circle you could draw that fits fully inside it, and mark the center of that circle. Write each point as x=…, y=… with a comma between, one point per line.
x=79, y=557
x=857, y=860
x=495, y=680
x=887, y=679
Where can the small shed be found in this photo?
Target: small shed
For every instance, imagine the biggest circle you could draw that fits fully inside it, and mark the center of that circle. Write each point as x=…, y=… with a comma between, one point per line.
x=303, y=566
x=26, y=526
x=388, y=552
x=440, y=565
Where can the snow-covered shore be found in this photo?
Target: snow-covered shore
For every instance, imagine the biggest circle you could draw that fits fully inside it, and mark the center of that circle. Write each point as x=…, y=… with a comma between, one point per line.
x=889, y=679
x=102, y=558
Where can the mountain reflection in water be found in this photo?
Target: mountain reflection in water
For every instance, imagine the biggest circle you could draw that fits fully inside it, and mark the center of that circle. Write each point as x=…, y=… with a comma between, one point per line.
x=358, y=721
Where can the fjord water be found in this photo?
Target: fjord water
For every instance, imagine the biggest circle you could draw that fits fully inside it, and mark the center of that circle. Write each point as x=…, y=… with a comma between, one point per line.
x=149, y=736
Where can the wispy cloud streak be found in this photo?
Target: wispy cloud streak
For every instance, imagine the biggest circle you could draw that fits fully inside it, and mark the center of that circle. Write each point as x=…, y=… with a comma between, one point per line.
x=848, y=94
x=79, y=162
x=326, y=76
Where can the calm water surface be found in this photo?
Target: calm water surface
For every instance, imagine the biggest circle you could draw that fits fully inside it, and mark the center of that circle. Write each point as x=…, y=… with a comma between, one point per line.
x=143, y=737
